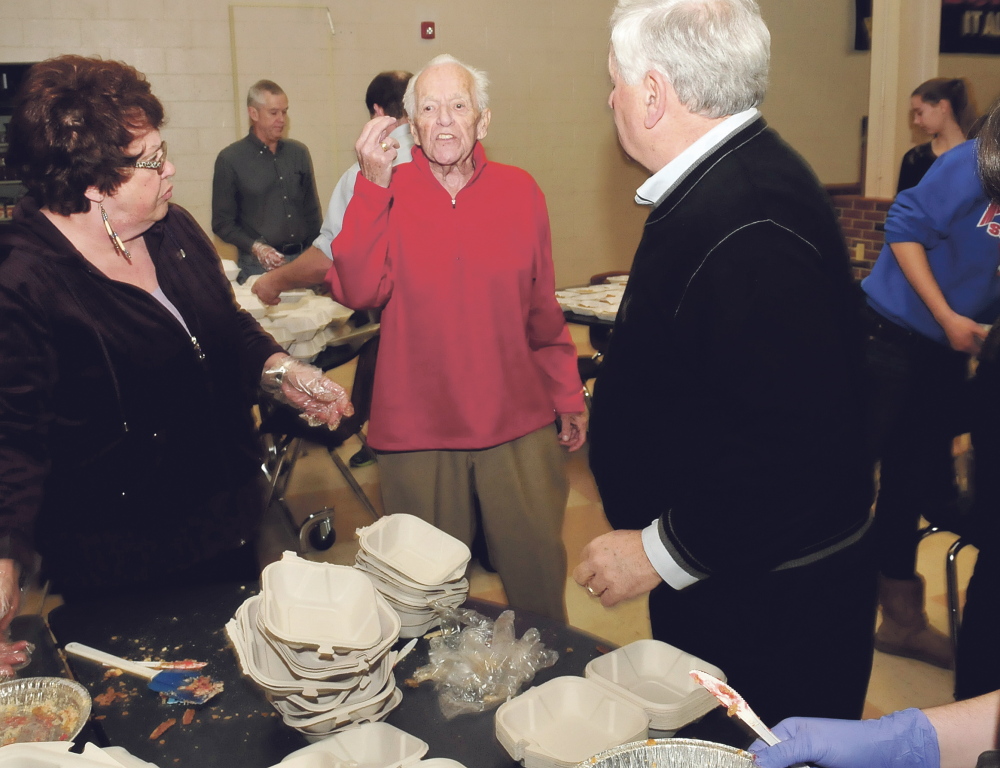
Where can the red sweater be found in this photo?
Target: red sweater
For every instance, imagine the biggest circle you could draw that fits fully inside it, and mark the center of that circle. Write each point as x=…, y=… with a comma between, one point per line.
x=475, y=351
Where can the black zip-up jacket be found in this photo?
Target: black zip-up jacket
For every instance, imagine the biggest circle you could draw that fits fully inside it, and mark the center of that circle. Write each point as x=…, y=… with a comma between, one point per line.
x=121, y=435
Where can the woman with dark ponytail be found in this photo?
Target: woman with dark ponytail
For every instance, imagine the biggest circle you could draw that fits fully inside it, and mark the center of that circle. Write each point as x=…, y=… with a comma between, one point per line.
x=941, y=108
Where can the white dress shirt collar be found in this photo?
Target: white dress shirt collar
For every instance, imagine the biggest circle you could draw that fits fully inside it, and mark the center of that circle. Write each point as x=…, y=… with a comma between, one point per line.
x=657, y=185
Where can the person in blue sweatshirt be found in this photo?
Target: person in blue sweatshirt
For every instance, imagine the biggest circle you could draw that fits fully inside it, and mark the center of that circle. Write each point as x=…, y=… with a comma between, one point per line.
x=931, y=298
x=953, y=735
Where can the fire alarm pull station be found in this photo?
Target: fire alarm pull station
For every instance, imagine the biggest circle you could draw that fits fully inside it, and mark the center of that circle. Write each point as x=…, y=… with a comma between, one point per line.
x=427, y=30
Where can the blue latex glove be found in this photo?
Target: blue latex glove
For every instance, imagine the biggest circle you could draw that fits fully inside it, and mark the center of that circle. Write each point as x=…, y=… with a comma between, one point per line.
x=903, y=739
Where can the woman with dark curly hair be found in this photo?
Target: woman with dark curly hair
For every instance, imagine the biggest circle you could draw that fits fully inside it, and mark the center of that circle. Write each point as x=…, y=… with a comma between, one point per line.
x=128, y=458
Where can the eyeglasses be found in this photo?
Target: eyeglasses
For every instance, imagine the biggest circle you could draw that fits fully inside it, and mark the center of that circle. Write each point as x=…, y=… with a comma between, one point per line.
x=158, y=159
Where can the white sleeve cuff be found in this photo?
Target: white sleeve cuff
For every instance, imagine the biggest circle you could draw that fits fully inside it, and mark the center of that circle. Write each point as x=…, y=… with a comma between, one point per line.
x=661, y=560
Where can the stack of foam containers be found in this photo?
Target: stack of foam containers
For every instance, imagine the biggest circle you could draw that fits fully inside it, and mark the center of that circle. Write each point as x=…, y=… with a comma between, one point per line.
x=317, y=639
x=564, y=721
x=656, y=676
x=415, y=566
x=374, y=745
x=232, y=270
x=303, y=323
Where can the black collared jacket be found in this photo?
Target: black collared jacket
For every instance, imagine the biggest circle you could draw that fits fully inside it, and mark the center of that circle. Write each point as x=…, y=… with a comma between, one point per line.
x=729, y=404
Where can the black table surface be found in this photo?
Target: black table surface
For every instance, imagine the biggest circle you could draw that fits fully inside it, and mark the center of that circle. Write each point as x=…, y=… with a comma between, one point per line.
x=576, y=319
x=239, y=726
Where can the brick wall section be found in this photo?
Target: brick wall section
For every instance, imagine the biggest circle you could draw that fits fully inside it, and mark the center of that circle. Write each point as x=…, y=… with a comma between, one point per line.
x=863, y=221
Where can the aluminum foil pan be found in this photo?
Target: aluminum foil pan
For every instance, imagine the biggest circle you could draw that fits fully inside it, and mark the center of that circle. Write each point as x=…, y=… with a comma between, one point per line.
x=671, y=753
x=42, y=709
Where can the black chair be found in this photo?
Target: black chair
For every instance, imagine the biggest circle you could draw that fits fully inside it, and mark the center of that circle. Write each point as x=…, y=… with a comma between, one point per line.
x=600, y=335
x=962, y=522
x=282, y=432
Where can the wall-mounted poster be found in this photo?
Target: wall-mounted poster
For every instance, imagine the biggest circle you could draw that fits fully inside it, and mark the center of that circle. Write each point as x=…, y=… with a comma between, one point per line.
x=970, y=26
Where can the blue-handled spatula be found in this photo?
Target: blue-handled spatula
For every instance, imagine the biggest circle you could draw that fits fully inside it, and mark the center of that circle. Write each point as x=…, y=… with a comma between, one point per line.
x=182, y=685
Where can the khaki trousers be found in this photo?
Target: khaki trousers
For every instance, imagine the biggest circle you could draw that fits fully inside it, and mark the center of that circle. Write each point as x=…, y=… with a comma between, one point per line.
x=522, y=490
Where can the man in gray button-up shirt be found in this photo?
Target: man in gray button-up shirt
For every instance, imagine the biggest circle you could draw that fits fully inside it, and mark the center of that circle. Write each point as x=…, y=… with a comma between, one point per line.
x=264, y=197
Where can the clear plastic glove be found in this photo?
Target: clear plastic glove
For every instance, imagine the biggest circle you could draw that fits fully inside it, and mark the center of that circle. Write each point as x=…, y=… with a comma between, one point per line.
x=14, y=656
x=323, y=402
x=477, y=664
x=10, y=593
x=268, y=257
x=903, y=739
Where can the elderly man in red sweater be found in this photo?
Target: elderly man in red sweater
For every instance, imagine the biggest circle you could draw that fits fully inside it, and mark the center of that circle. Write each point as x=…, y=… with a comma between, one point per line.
x=476, y=365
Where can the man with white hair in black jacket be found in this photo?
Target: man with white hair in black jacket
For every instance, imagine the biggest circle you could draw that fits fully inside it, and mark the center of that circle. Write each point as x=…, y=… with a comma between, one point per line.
x=734, y=374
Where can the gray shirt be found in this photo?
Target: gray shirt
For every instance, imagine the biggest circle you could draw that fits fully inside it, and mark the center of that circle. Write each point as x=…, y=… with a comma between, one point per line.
x=257, y=194
x=344, y=191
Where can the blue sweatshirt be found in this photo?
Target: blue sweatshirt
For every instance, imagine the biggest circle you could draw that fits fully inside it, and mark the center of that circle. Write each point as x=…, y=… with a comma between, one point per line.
x=950, y=215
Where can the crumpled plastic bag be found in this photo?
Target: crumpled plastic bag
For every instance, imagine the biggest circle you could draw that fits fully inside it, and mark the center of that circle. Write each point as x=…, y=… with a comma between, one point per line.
x=477, y=664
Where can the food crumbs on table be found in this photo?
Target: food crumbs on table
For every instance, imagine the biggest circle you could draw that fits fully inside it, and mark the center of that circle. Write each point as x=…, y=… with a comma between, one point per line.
x=110, y=696
x=569, y=650
x=202, y=687
x=602, y=649
x=100, y=717
x=650, y=742
x=162, y=728
x=188, y=717
x=411, y=683
x=112, y=673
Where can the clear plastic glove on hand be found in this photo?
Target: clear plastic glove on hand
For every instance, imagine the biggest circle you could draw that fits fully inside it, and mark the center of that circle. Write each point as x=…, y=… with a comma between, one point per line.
x=10, y=593
x=13, y=656
x=903, y=739
x=268, y=257
x=323, y=402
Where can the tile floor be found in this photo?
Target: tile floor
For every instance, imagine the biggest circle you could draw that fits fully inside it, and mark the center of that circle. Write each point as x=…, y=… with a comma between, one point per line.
x=896, y=683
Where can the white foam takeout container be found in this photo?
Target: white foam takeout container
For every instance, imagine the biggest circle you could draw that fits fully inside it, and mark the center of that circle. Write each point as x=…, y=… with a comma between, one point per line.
x=324, y=722
x=372, y=745
x=328, y=607
x=343, y=671
x=400, y=593
x=231, y=268
x=56, y=754
x=566, y=720
x=309, y=662
x=265, y=666
x=296, y=705
x=249, y=301
x=415, y=548
x=655, y=676
x=306, y=316
x=371, y=564
x=362, y=717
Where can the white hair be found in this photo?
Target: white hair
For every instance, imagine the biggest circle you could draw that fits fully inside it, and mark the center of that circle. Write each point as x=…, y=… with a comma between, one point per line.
x=479, y=80
x=714, y=53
